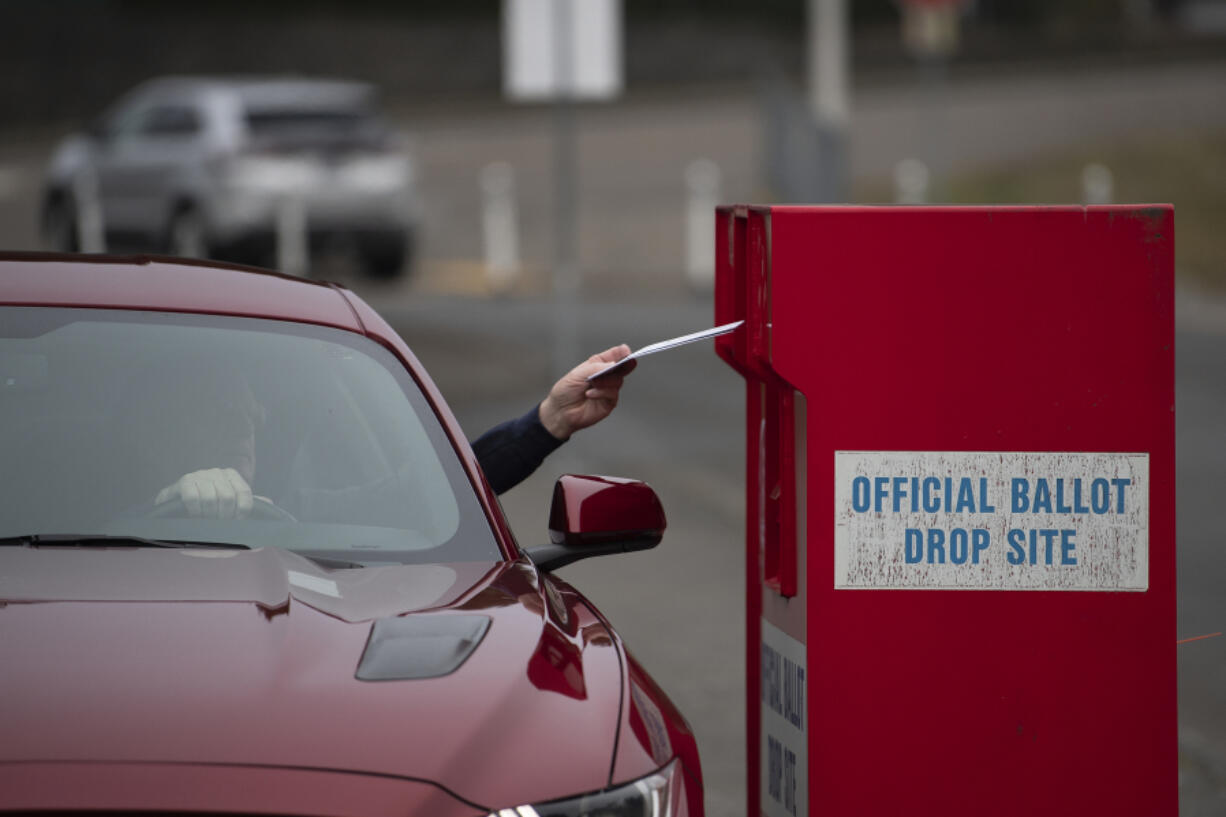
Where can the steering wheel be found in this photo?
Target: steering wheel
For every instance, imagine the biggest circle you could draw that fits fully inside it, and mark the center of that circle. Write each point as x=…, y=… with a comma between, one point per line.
x=261, y=510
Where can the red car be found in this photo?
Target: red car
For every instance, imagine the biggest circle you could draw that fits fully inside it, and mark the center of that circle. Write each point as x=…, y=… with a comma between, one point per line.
x=368, y=640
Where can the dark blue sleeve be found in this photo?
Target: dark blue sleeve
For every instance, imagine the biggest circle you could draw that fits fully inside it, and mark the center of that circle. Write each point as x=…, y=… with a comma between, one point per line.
x=509, y=452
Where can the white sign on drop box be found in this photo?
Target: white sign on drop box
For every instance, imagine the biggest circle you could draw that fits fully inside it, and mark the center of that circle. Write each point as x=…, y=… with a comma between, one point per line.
x=784, y=725
x=970, y=520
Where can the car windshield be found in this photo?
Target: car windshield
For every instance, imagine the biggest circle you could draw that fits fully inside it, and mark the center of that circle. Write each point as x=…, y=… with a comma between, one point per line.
x=100, y=411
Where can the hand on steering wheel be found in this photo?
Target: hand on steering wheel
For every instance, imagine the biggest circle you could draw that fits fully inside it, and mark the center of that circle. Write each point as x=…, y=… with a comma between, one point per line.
x=261, y=509
x=214, y=493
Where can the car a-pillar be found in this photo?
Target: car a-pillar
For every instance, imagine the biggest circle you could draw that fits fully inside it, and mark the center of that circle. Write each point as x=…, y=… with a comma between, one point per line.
x=960, y=504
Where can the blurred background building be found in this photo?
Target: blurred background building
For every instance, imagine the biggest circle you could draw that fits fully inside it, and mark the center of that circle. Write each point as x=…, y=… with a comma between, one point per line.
x=1042, y=101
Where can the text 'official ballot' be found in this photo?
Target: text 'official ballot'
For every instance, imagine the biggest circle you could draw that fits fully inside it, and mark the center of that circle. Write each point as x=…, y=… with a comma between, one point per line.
x=991, y=520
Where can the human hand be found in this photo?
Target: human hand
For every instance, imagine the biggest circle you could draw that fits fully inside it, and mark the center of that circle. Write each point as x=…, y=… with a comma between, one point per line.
x=215, y=493
x=573, y=403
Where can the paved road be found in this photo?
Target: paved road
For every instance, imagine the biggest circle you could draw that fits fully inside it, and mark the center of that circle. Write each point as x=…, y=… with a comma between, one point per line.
x=680, y=427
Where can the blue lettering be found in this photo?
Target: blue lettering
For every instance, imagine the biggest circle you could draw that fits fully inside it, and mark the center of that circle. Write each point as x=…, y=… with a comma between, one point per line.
x=1119, y=485
x=793, y=693
x=966, y=496
x=915, y=493
x=932, y=501
x=881, y=489
x=786, y=685
x=1061, y=505
x=936, y=546
x=900, y=491
x=1046, y=550
x=914, y=546
x=1067, y=545
x=1100, y=495
x=1016, y=554
x=949, y=494
x=798, y=711
x=959, y=544
x=1020, y=492
x=774, y=768
x=789, y=780
x=771, y=691
x=860, y=494
x=1042, y=496
x=1079, y=505
x=979, y=543
x=1048, y=536
x=984, y=507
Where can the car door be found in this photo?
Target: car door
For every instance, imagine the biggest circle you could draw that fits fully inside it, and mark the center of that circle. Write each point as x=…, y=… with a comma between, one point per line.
x=144, y=165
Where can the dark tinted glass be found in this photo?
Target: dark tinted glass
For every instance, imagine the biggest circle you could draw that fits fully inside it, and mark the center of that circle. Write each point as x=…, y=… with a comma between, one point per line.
x=315, y=127
x=171, y=120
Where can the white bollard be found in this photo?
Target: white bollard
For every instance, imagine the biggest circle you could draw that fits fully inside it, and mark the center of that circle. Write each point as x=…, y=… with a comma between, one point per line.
x=499, y=226
x=293, y=252
x=702, y=184
x=911, y=182
x=1097, y=184
x=91, y=232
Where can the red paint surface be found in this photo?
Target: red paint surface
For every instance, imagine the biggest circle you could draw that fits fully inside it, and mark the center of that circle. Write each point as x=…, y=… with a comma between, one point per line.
x=225, y=683
x=218, y=789
x=977, y=329
x=166, y=284
x=590, y=509
x=731, y=293
x=217, y=705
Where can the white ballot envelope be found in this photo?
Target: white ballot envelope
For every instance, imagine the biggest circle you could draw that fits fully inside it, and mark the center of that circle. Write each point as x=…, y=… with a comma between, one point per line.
x=671, y=343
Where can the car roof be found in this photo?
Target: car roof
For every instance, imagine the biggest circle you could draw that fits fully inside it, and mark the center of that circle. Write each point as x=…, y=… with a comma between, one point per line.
x=155, y=283
x=267, y=92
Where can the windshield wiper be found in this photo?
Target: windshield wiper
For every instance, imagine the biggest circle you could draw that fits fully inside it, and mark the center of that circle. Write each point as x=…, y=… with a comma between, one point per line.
x=104, y=540
x=328, y=561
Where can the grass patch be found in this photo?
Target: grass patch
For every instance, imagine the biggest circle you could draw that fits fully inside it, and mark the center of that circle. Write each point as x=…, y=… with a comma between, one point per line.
x=1187, y=171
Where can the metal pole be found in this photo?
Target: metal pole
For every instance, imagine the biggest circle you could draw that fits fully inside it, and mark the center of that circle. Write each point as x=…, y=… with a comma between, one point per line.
x=293, y=253
x=829, y=53
x=702, y=186
x=499, y=226
x=911, y=179
x=934, y=70
x=1097, y=184
x=91, y=230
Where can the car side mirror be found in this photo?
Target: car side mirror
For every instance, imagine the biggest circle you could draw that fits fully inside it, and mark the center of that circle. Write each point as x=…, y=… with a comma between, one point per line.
x=598, y=516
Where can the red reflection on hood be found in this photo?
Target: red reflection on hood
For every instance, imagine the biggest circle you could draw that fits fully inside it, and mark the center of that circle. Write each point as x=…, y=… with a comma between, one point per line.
x=258, y=667
x=557, y=665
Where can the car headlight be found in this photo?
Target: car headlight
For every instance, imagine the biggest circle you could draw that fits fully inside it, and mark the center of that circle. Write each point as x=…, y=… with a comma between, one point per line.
x=656, y=795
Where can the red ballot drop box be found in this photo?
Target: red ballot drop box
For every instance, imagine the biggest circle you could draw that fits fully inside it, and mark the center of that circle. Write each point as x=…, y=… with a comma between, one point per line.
x=960, y=504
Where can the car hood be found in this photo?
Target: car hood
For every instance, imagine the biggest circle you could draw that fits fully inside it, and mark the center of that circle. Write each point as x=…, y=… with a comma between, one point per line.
x=250, y=658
